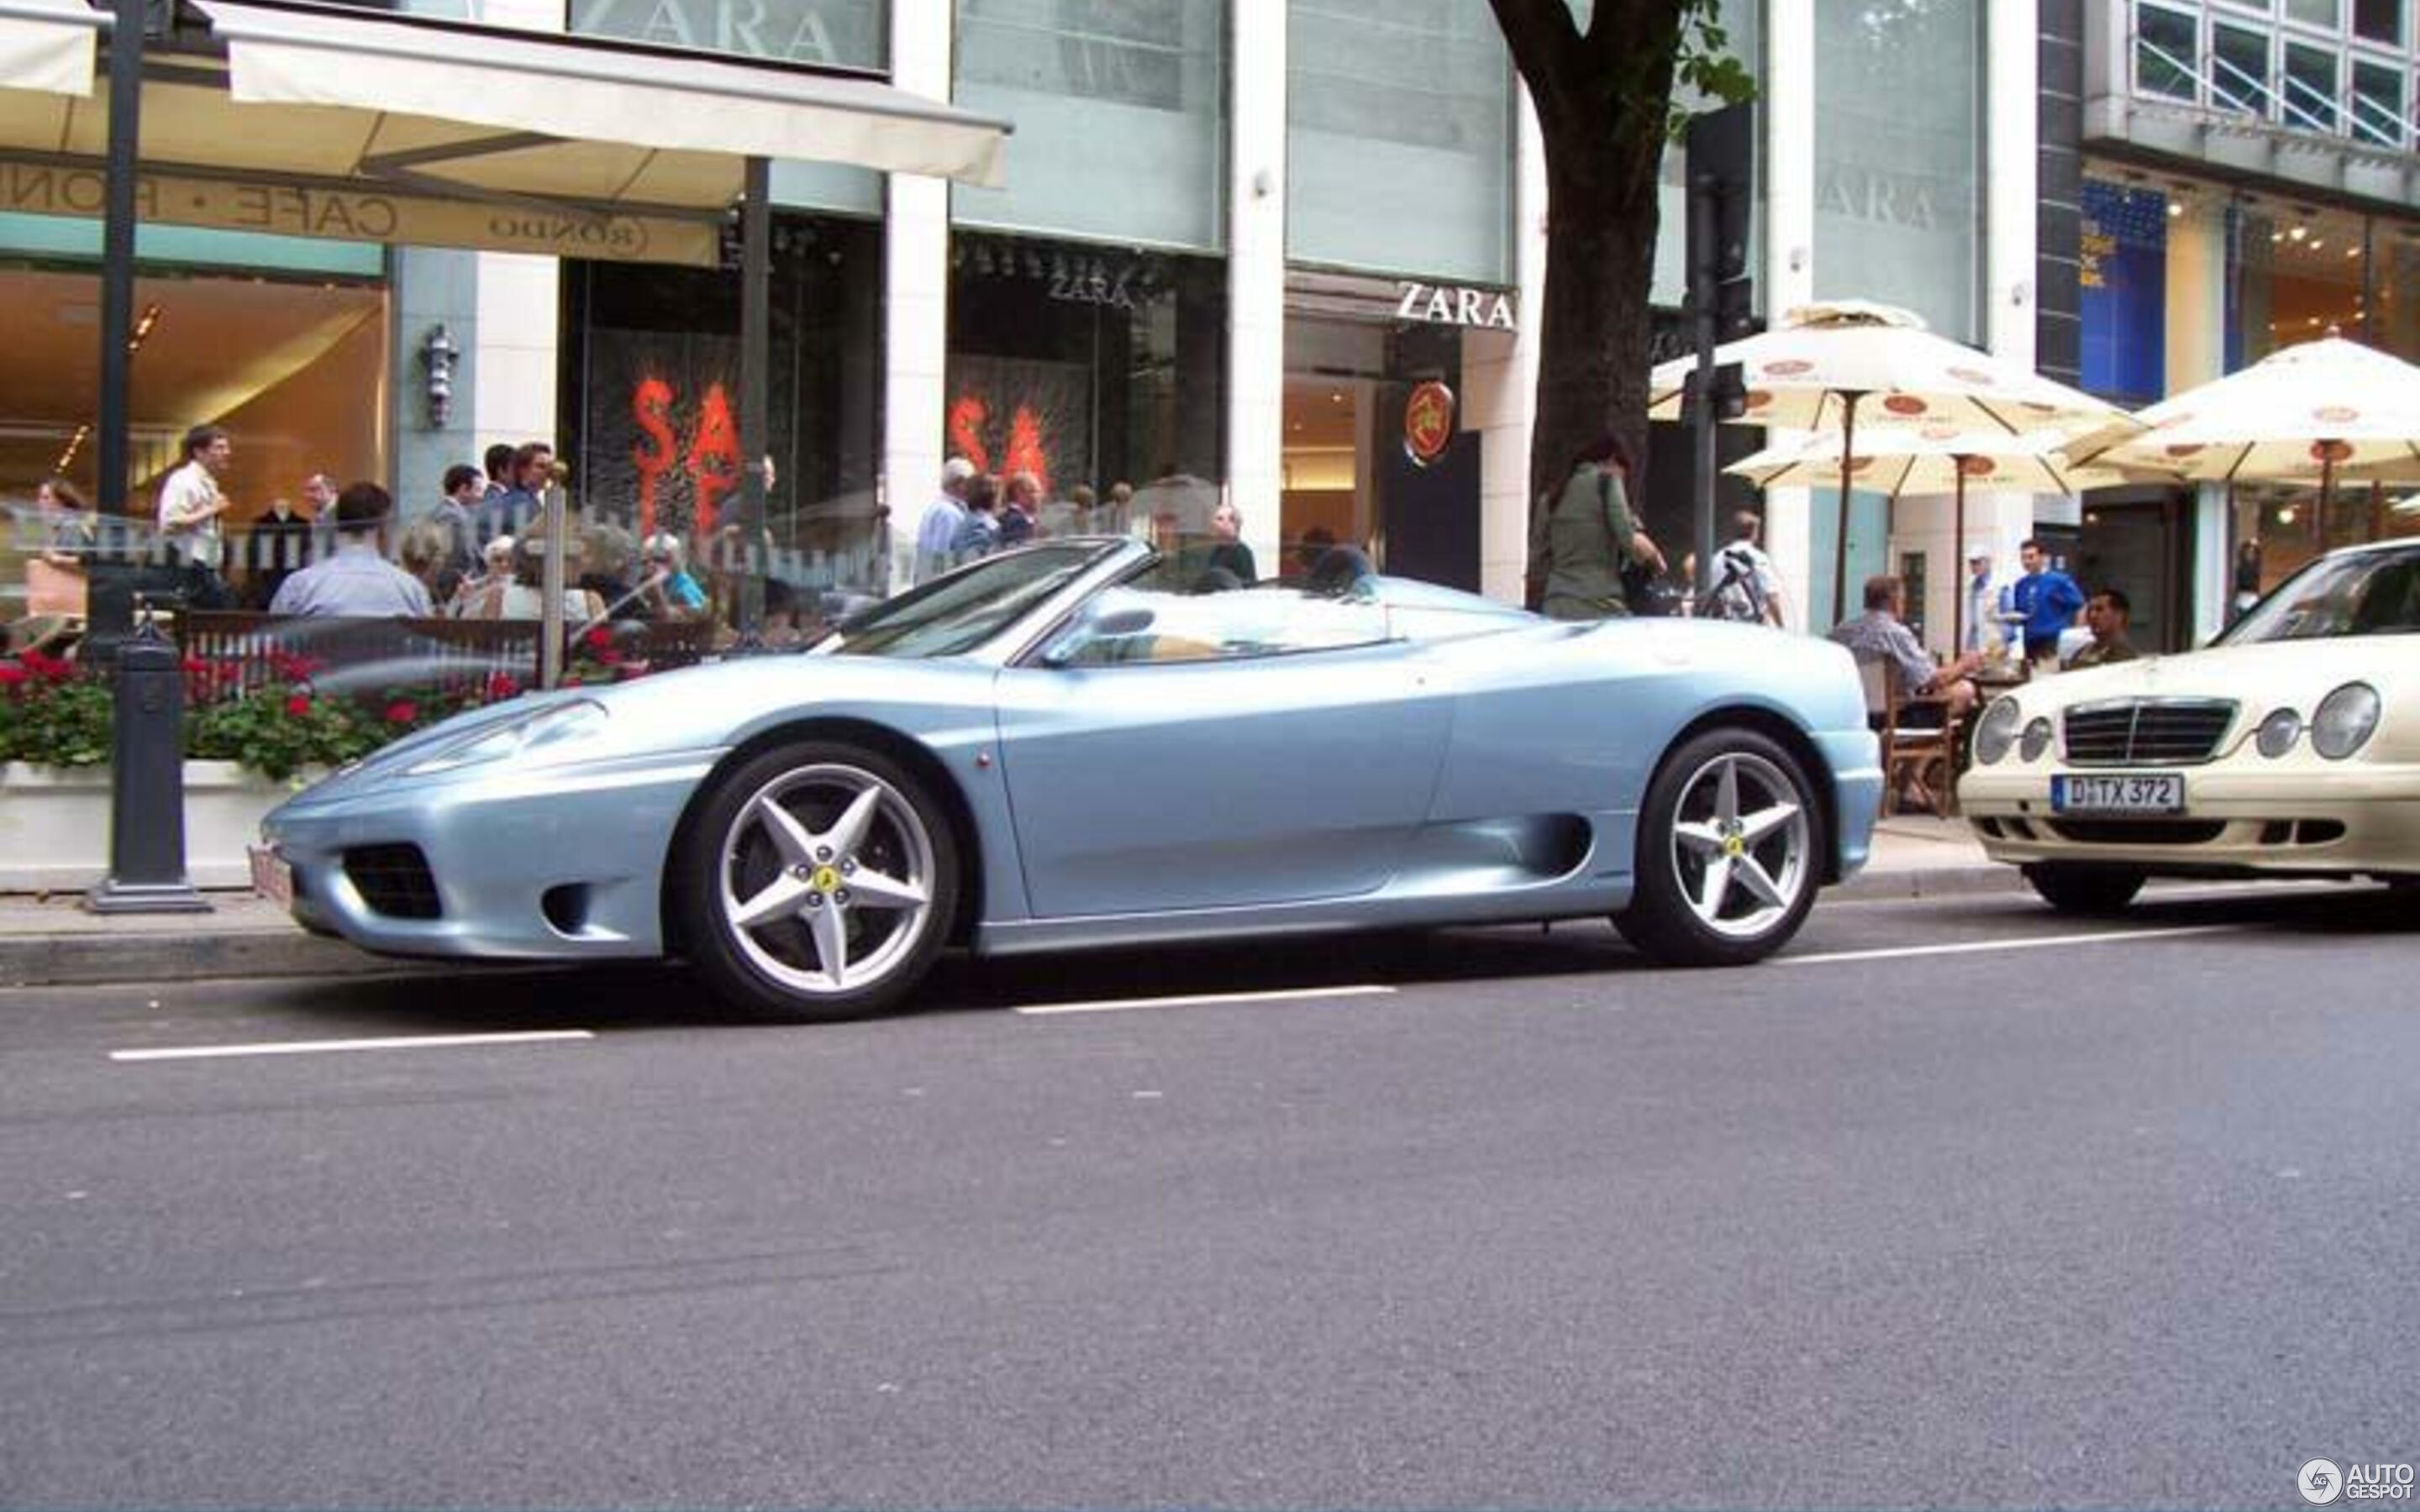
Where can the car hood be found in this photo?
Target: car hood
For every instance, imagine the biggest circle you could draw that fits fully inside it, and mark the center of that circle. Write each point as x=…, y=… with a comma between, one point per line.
x=707, y=709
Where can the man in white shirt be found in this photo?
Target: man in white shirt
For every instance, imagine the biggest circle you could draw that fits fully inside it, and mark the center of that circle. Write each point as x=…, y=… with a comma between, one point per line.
x=1746, y=587
x=357, y=580
x=191, y=506
x=1982, y=604
x=938, y=531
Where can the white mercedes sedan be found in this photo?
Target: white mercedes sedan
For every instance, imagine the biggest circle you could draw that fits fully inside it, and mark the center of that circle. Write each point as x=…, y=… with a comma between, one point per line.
x=2288, y=747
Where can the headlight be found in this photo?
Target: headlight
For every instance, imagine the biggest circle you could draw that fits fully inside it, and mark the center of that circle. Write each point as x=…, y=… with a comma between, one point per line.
x=2344, y=720
x=549, y=726
x=1997, y=732
x=2037, y=740
x=2278, y=732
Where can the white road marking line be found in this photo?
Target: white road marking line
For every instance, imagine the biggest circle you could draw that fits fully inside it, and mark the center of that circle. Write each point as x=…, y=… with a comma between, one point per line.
x=1113, y=1005
x=313, y=1047
x=2030, y=942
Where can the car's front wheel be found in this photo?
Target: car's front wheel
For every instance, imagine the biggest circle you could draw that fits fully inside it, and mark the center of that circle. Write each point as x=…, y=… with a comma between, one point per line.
x=817, y=881
x=1729, y=853
x=2075, y=887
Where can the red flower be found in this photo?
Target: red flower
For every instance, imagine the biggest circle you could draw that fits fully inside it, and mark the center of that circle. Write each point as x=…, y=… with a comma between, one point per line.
x=50, y=669
x=195, y=667
x=598, y=638
x=11, y=672
x=402, y=711
x=610, y=657
x=298, y=705
x=501, y=687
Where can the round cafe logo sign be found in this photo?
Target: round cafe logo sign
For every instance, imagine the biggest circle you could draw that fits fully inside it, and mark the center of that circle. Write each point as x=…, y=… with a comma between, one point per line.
x=1428, y=422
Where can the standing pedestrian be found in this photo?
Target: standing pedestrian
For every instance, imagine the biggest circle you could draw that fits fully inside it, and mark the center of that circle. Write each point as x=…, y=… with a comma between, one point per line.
x=1746, y=586
x=2049, y=602
x=1020, y=509
x=463, y=489
x=1983, y=629
x=191, y=509
x=1580, y=539
x=936, y=534
x=979, y=534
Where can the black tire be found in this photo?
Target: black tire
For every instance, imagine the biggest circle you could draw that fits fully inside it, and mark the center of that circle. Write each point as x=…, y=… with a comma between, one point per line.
x=2082, y=888
x=735, y=852
x=1681, y=912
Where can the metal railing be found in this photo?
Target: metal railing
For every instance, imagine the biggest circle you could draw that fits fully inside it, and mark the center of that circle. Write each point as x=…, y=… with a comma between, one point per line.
x=2157, y=73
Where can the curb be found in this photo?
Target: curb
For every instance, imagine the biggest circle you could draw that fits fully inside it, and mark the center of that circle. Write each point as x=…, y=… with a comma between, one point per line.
x=87, y=959
x=92, y=958
x=1871, y=885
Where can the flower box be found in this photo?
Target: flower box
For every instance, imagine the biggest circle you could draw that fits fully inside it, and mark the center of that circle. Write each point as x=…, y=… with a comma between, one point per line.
x=54, y=823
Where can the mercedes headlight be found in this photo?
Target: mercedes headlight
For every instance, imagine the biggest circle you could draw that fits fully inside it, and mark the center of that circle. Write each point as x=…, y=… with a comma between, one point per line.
x=2344, y=720
x=1997, y=732
x=549, y=726
x=2035, y=741
x=2278, y=732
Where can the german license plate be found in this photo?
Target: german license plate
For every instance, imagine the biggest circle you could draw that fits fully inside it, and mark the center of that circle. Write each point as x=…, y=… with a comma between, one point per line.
x=2133, y=793
x=271, y=876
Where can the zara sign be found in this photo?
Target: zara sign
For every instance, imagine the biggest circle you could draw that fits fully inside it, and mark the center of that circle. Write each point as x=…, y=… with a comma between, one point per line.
x=1446, y=304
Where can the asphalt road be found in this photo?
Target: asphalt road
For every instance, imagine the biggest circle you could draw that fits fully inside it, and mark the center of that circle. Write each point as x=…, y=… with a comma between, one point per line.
x=2055, y=1214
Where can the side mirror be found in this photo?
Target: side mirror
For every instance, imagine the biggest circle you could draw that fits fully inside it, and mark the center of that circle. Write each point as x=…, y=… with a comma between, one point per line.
x=1097, y=625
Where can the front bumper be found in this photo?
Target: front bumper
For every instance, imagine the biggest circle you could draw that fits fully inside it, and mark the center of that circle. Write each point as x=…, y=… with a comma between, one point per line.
x=562, y=863
x=1854, y=757
x=2243, y=816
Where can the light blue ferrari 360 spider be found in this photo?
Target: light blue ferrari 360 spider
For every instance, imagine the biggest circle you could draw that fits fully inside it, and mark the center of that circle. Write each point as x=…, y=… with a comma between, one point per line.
x=1067, y=746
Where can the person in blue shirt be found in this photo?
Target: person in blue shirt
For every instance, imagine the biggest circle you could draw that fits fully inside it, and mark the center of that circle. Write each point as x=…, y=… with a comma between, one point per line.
x=357, y=580
x=2049, y=600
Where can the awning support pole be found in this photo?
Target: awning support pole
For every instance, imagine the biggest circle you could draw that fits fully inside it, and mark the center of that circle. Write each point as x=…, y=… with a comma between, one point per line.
x=755, y=342
x=113, y=612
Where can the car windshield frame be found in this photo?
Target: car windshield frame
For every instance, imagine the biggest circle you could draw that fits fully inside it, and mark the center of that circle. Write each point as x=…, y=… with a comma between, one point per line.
x=967, y=609
x=2329, y=599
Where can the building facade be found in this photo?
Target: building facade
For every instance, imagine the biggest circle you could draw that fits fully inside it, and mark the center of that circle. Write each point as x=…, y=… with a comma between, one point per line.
x=1244, y=248
x=2247, y=177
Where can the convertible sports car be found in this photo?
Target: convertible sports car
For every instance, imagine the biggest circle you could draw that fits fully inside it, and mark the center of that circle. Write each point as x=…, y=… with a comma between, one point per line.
x=1055, y=748
x=2290, y=747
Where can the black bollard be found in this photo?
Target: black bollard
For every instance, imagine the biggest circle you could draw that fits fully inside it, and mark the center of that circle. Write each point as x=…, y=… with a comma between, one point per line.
x=146, y=802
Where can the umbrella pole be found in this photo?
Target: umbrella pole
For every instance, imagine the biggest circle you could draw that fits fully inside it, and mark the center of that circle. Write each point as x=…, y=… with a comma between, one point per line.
x=1958, y=545
x=1841, y=538
x=2327, y=491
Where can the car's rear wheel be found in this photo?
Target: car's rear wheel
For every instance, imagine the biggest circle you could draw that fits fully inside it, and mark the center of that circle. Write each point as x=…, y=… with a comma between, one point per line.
x=2079, y=888
x=1729, y=853
x=817, y=881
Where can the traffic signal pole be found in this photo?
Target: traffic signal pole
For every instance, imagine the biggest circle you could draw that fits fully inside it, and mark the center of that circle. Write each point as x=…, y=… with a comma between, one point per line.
x=1705, y=211
x=1721, y=164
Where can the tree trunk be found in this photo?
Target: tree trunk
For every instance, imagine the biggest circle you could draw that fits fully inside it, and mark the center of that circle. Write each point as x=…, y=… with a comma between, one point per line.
x=1603, y=99
x=1593, y=357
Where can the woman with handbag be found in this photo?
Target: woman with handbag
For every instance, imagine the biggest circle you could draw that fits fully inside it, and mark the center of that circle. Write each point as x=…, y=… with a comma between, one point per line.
x=1580, y=543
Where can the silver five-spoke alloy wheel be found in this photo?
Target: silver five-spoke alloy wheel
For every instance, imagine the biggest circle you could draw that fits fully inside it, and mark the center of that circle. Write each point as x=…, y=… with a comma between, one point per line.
x=826, y=877
x=1741, y=847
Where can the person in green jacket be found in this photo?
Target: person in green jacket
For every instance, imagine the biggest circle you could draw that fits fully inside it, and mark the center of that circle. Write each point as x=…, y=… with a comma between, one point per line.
x=1579, y=541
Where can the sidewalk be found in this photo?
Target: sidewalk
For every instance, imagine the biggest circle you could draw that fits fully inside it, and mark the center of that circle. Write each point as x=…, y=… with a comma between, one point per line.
x=51, y=941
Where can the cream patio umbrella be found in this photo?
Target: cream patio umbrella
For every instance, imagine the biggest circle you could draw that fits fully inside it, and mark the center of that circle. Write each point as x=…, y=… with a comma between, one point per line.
x=1929, y=459
x=1832, y=366
x=2321, y=412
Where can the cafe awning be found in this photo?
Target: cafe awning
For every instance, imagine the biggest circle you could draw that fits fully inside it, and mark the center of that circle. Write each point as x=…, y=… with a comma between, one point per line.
x=46, y=45
x=324, y=120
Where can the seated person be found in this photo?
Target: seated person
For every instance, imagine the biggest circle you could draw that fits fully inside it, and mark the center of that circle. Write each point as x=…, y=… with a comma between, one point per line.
x=1880, y=635
x=2105, y=614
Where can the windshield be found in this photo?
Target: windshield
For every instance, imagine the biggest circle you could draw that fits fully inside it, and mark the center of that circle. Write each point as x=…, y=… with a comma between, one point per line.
x=950, y=616
x=2366, y=592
